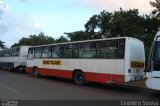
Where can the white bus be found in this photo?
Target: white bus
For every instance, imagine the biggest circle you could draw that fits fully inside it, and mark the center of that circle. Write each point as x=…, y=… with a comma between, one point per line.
x=153, y=67
x=14, y=58
x=112, y=60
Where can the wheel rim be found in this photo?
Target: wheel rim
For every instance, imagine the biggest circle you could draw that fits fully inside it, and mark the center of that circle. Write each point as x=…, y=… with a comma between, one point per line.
x=36, y=73
x=79, y=78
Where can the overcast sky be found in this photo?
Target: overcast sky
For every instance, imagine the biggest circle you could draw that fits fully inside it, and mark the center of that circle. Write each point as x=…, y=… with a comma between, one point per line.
x=20, y=18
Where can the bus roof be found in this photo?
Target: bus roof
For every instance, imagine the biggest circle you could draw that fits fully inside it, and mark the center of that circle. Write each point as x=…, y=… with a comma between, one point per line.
x=83, y=41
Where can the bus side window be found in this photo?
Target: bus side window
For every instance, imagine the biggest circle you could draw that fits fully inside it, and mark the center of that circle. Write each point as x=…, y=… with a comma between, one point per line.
x=37, y=53
x=111, y=49
x=121, y=48
x=70, y=51
x=17, y=51
x=31, y=54
x=67, y=51
x=46, y=52
x=57, y=51
x=88, y=50
x=75, y=51
x=107, y=49
x=0, y=53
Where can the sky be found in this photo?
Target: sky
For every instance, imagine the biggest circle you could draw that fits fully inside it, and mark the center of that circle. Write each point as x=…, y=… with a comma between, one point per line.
x=20, y=18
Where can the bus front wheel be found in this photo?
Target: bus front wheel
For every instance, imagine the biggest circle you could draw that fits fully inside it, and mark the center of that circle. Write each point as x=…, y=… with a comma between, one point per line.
x=79, y=78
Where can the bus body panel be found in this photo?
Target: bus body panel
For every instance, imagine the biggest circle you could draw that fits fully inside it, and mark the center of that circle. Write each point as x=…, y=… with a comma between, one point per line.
x=104, y=72
x=100, y=70
x=88, y=65
x=153, y=81
x=134, y=53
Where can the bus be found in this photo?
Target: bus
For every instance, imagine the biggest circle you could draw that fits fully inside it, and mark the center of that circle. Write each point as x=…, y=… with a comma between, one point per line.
x=153, y=67
x=111, y=60
x=14, y=58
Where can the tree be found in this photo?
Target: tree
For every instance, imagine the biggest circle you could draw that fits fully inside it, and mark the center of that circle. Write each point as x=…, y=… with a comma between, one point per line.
x=127, y=23
x=91, y=25
x=98, y=26
x=33, y=40
x=2, y=45
x=61, y=39
x=156, y=5
x=78, y=35
x=119, y=23
x=104, y=23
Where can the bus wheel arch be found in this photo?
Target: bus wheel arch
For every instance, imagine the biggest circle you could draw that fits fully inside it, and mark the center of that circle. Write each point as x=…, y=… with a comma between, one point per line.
x=78, y=77
x=35, y=71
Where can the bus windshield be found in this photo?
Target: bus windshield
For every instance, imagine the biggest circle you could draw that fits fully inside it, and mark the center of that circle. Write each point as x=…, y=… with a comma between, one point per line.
x=156, y=56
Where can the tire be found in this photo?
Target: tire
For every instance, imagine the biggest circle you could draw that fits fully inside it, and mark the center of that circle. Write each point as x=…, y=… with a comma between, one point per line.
x=35, y=72
x=79, y=78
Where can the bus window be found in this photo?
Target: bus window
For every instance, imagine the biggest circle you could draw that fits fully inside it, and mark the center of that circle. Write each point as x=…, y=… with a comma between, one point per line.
x=17, y=50
x=12, y=52
x=107, y=49
x=120, y=48
x=46, y=52
x=88, y=50
x=0, y=53
x=67, y=51
x=57, y=51
x=9, y=53
x=37, y=54
x=6, y=53
x=156, y=56
x=3, y=52
x=111, y=49
x=30, y=54
x=70, y=51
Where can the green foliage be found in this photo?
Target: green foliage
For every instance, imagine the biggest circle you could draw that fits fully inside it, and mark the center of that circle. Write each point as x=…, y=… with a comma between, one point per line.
x=119, y=23
x=156, y=11
x=34, y=40
x=78, y=35
x=99, y=25
x=2, y=45
x=127, y=23
x=61, y=39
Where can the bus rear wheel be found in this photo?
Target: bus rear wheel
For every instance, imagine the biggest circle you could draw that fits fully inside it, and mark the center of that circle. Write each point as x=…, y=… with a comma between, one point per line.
x=35, y=72
x=78, y=78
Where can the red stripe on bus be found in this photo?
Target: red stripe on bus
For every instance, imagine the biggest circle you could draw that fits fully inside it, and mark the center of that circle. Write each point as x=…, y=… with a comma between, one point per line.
x=53, y=72
x=89, y=76
x=104, y=78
